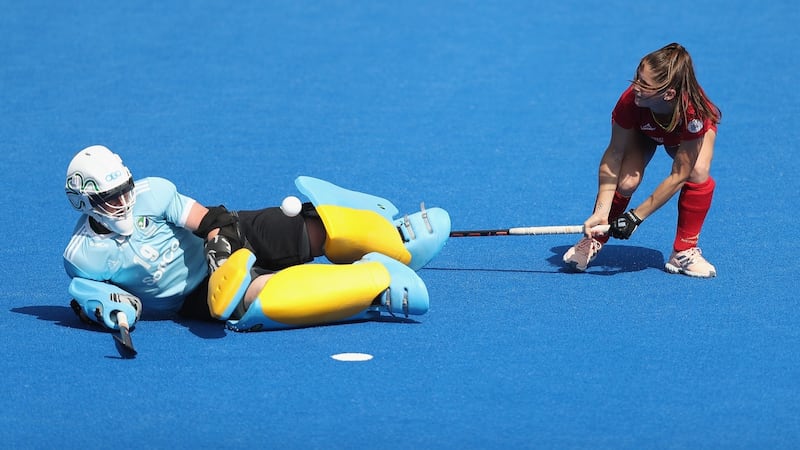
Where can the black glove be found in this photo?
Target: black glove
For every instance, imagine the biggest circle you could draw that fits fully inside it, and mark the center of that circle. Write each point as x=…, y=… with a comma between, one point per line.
x=228, y=240
x=623, y=226
x=218, y=249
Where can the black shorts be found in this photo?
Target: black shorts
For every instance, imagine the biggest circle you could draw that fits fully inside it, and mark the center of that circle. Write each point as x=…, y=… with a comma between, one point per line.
x=195, y=305
x=278, y=241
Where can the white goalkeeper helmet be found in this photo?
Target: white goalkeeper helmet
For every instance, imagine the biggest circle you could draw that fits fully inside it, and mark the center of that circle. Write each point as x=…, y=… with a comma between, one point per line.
x=99, y=184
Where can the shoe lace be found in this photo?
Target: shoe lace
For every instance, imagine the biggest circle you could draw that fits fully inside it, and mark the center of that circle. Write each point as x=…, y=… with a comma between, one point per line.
x=690, y=255
x=589, y=245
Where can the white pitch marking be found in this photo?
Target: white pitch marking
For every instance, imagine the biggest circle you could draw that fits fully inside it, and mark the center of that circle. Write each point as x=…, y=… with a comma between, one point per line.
x=352, y=357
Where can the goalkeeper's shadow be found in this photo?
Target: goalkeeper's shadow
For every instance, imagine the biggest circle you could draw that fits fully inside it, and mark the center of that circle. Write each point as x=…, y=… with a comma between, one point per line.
x=59, y=315
x=217, y=329
x=63, y=316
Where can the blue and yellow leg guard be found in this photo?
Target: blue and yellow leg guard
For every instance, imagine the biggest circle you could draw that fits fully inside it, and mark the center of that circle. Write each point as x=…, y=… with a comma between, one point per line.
x=352, y=233
x=316, y=294
x=228, y=284
x=358, y=223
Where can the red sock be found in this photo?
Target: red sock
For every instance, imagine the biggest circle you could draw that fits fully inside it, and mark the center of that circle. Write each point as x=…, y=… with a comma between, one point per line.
x=618, y=206
x=693, y=205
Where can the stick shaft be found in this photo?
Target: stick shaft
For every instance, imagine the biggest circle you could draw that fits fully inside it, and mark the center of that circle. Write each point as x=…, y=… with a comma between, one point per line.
x=122, y=320
x=528, y=231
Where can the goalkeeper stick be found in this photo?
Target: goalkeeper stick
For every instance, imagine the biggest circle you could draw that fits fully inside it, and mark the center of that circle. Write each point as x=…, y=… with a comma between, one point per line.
x=529, y=231
x=123, y=341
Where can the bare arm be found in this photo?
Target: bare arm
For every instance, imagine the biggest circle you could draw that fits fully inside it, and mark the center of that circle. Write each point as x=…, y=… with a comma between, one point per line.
x=196, y=214
x=608, y=176
x=682, y=164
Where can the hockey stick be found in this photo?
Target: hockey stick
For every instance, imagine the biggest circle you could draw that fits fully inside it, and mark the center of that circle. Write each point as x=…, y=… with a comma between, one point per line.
x=529, y=231
x=123, y=341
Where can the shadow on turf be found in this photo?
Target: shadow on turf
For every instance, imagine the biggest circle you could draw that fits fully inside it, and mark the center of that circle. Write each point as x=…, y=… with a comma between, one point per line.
x=63, y=316
x=213, y=330
x=612, y=260
x=60, y=315
x=205, y=329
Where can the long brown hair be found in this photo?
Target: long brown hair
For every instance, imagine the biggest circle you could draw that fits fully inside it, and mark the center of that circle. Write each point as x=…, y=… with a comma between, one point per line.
x=672, y=68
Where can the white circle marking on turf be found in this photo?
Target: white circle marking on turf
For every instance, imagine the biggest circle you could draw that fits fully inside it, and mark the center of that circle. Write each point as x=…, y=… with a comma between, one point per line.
x=352, y=357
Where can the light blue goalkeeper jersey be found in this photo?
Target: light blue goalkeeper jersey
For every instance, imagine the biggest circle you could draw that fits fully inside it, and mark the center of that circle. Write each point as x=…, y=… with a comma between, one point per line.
x=161, y=262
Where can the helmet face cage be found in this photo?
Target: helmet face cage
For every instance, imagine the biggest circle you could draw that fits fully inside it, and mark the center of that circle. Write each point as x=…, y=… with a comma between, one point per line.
x=116, y=203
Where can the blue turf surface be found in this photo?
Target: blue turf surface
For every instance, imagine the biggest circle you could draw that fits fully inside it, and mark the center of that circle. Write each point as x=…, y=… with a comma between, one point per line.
x=496, y=111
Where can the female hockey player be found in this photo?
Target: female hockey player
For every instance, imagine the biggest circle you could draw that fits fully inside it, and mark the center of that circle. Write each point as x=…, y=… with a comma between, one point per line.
x=143, y=247
x=664, y=105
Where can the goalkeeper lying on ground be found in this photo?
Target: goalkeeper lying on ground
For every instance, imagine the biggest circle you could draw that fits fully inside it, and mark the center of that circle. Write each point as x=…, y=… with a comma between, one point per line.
x=143, y=248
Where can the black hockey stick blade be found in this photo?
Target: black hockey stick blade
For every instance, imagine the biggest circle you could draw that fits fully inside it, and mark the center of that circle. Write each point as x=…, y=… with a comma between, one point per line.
x=123, y=342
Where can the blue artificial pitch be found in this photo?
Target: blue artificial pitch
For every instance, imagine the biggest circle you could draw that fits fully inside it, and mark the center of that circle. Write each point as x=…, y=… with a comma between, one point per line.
x=497, y=112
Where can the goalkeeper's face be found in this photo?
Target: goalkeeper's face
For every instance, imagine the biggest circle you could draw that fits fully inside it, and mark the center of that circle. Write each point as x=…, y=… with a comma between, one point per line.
x=114, y=209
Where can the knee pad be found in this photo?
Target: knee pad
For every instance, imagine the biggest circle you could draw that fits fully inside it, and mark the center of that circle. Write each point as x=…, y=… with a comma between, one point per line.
x=228, y=284
x=316, y=294
x=358, y=223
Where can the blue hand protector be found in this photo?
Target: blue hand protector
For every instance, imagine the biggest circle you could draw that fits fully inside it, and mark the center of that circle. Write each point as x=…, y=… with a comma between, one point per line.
x=99, y=302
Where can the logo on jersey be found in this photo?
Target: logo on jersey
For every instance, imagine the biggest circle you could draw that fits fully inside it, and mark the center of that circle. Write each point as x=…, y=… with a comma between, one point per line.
x=647, y=127
x=694, y=126
x=142, y=222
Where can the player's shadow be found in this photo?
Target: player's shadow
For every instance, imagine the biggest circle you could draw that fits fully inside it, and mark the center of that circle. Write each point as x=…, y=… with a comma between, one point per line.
x=613, y=259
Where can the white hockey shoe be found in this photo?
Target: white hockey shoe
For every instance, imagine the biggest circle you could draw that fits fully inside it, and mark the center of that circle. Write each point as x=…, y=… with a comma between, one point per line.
x=690, y=262
x=581, y=254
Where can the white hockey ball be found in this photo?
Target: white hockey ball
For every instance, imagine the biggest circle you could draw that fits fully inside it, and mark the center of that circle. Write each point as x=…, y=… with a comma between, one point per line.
x=291, y=206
